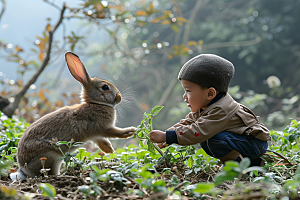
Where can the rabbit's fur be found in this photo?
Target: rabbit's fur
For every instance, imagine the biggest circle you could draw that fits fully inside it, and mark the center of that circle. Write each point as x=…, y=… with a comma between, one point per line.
x=93, y=119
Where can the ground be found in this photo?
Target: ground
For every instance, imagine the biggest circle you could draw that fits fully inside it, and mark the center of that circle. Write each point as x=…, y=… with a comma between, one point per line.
x=66, y=186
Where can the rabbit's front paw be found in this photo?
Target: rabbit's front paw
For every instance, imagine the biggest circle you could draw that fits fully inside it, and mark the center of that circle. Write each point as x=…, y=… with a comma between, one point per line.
x=129, y=132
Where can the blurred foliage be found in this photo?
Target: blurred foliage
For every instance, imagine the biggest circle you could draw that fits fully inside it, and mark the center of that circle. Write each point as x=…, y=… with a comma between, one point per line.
x=146, y=43
x=11, y=131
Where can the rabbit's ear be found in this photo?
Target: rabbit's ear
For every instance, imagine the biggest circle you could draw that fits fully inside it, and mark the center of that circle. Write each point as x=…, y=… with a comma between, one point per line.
x=77, y=68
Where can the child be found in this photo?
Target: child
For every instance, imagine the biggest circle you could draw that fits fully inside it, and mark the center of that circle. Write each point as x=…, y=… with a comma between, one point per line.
x=224, y=128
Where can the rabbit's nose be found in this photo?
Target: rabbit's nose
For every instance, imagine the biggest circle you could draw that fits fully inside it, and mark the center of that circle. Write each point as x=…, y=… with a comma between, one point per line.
x=118, y=97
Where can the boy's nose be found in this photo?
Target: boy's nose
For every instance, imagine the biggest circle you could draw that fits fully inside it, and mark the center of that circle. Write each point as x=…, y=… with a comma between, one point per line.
x=184, y=97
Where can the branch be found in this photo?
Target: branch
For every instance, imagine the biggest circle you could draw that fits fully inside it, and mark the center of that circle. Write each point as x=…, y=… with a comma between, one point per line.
x=183, y=59
x=3, y=9
x=10, y=109
x=281, y=156
x=232, y=44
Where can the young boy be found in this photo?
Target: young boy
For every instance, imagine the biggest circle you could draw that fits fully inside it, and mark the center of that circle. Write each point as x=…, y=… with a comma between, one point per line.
x=225, y=129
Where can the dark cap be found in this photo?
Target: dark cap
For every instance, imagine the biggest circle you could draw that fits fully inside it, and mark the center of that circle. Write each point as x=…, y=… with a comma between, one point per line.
x=208, y=70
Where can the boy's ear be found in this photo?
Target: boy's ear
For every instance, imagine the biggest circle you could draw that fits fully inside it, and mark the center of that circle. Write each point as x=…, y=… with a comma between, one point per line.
x=211, y=93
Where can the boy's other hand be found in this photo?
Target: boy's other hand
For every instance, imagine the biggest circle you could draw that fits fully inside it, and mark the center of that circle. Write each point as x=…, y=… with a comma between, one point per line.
x=157, y=136
x=162, y=145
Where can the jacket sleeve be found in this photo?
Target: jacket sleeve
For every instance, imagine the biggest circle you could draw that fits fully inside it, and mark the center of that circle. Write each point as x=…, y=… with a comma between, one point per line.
x=214, y=122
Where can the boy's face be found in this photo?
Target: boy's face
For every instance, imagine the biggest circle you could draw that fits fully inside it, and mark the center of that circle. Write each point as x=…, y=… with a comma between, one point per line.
x=195, y=96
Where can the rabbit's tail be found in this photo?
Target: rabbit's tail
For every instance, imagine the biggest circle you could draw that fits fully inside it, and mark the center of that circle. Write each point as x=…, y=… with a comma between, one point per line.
x=18, y=175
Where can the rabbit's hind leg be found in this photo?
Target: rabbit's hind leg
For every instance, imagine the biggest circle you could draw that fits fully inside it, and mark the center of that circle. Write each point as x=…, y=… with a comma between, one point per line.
x=104, y=145
x=33, y=167
x=53, y=163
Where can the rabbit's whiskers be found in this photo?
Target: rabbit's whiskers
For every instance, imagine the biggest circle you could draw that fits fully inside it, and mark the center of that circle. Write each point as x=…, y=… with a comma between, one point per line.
x=128, y=97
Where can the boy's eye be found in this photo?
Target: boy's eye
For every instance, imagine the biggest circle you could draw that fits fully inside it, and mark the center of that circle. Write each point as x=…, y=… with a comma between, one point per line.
x=105, y=87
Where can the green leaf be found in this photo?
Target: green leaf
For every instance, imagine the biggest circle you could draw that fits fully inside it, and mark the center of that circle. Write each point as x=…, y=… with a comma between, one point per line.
x=82, y=153
x=151, y=147
x=48, y=190
x=203, y=188
x=60, y=158
x=77, y=144
x=190, y=162
x=254, y=168
x=98, y=171
x=141, y=153
x=112, y=156
x=159, y=183
x=187, y=172
x=175, y=28
x=156, y=110
x=174, y=180
x=85, y=189
x=61, y=143
x=245, y=163
x=139, y=180
x=98, y=190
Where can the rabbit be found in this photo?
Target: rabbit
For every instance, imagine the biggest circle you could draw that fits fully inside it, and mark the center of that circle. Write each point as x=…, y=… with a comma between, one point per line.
x=92, y=120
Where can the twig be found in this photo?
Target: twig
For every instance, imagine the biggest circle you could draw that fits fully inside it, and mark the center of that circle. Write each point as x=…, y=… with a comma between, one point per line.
x=25, y=166
x=208, y=178
x=281, y=156
x=132, y=181
x=3, y=8
x=73, y=177
x=194, y=179
x=278, y=172
x=183, y=59
x=177, y=187
x=232, y=44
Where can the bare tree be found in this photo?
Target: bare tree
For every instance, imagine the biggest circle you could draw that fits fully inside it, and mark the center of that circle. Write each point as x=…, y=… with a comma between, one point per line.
x=11, y=107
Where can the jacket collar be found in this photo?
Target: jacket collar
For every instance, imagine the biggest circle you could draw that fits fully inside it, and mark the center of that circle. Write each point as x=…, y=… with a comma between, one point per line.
x=217, y=98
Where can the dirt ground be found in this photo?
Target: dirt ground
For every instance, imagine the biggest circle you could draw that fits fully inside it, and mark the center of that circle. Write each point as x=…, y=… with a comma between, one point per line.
x=66, y=187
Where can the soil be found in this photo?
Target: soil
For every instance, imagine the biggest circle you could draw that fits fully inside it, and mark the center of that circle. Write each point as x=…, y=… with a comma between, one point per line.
x=66, y=187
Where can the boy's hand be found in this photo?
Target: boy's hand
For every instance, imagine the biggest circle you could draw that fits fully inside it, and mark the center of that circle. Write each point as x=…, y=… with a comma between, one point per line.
x=162, y=145
x=157, y=136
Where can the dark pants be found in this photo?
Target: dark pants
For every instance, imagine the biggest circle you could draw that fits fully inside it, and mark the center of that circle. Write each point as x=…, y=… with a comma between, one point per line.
x=224, y=142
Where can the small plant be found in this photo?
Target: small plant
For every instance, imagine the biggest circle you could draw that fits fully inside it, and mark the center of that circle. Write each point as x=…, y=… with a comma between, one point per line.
x=68, y=157
x=148, y=181
x=292, y=186
x=233, y=170
x=11, y=131
x=115, y=179
x=48, y=190
x=94, y=189
x=291, y=137
x=146, y=127
x=4, y=166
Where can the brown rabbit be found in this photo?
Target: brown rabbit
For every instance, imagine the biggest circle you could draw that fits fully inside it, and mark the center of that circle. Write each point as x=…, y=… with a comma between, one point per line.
x=93, y=119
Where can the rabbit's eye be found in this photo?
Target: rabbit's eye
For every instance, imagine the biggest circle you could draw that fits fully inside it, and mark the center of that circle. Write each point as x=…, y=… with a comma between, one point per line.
x=105, y=87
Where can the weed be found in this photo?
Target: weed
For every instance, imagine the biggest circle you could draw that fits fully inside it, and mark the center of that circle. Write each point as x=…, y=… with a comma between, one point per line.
x=69, y=157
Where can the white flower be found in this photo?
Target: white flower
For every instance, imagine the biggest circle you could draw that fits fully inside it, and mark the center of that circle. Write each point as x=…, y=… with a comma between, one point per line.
x=273, y=81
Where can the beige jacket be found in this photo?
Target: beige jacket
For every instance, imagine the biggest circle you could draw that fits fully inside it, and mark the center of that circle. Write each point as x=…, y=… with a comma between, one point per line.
x=224, y=115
